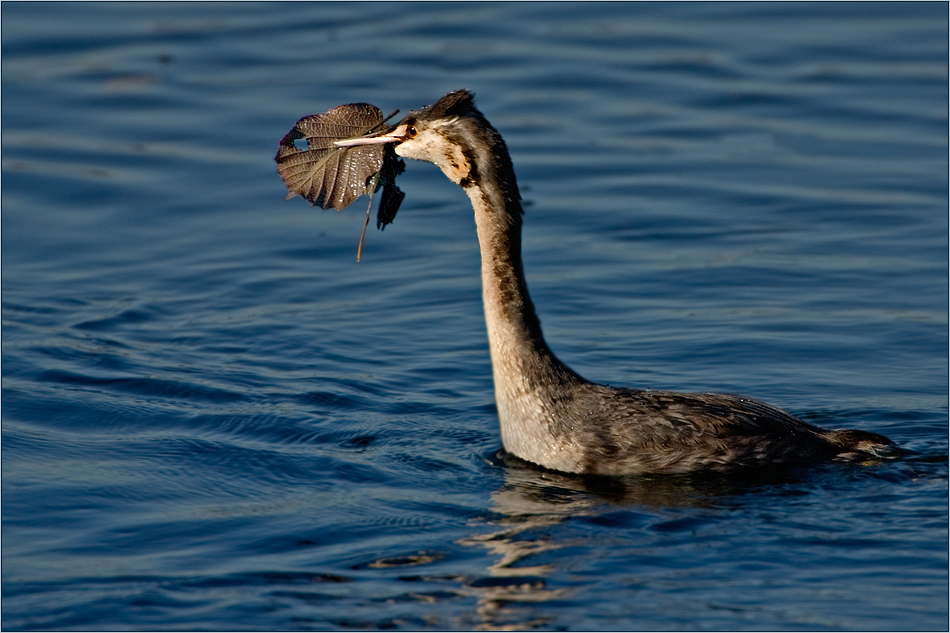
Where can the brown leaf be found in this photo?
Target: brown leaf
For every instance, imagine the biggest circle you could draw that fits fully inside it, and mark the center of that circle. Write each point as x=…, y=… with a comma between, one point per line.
x=324, y=174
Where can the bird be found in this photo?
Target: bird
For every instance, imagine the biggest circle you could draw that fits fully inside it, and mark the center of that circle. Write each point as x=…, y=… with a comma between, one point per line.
x=548, y=414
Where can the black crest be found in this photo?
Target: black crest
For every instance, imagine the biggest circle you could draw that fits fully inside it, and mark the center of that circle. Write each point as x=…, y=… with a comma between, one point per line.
x=453, y=103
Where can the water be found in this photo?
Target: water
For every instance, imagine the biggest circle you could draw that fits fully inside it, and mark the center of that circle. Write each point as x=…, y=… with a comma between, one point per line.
x=213, y=418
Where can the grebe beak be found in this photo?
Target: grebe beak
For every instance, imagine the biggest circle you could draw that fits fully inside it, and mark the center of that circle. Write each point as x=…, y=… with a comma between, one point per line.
x=397, y=135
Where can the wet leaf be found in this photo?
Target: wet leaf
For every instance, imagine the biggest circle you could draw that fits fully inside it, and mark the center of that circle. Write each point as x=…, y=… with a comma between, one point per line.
x=327, y=175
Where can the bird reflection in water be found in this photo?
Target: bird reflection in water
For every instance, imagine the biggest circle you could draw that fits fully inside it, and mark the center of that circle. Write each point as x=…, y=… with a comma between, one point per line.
x=507, y=586
x=533, y=501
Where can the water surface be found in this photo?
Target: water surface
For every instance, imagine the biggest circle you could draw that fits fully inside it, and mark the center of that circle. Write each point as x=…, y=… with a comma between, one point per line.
x=213, y=418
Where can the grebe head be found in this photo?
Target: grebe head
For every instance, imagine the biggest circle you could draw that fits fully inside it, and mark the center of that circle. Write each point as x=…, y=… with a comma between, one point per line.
x=452, y=134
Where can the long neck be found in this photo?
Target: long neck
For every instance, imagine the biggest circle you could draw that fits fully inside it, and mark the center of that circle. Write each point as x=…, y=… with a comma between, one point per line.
x=523, y=365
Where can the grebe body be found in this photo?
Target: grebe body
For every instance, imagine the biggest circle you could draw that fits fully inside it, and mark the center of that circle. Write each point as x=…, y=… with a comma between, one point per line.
x=548, y=414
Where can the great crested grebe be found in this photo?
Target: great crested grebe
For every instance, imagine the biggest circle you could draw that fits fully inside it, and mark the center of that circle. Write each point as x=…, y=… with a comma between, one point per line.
x=551, y=416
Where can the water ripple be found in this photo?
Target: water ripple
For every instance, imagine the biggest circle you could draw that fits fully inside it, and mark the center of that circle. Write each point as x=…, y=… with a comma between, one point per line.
x=214, y=418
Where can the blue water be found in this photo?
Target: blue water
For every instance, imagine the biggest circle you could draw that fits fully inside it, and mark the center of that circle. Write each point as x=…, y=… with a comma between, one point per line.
x=214, y=418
